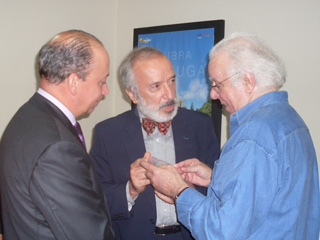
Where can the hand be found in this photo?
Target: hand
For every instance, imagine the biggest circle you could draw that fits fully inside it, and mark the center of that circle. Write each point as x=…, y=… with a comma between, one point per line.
x=166, y=179
x=195, y=172
x=138, y=179
x=164, y=197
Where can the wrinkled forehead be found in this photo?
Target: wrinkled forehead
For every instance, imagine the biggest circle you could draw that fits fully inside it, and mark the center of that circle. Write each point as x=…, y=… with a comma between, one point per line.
x=157, y=63
x=142, y=59
x=219, y=62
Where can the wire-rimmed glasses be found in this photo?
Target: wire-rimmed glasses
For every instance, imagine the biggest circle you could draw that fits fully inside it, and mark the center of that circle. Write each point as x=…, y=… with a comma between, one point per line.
x=216, y=86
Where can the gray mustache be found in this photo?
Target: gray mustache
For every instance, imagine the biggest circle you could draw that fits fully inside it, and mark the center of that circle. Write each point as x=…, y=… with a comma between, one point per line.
x=169, y=103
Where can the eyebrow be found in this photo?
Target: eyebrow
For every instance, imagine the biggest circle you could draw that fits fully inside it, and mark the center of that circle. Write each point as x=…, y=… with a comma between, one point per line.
x=105, y=77
x=173, y=76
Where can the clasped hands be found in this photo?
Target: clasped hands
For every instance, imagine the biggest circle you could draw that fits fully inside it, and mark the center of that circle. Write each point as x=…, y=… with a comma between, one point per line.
x=167, y=180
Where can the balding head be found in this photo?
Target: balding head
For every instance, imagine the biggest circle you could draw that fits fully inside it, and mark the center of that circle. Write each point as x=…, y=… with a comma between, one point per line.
x=67, y=52
x=74, y=67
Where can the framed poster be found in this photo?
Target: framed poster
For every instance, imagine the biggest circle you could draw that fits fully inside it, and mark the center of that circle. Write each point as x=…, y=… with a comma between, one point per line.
x=187, y=46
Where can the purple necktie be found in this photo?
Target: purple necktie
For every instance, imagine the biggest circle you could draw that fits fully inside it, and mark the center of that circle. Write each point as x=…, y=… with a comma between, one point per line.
x=80, y=134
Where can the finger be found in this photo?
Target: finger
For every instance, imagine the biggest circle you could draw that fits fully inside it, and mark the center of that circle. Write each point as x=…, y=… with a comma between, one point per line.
x=141, y=175
x=186, y=163
x=148, y=175
x=195, y=168
x=143, y=182
x=145, y=158
x=138, y=183
x=147, y=181
x=136, y=163
x=137, y=171
x=147, y=155
x=184, y=176
x=148, y=166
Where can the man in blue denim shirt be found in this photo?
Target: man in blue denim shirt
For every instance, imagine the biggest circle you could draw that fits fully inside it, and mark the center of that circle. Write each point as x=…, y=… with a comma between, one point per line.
x=265, y=184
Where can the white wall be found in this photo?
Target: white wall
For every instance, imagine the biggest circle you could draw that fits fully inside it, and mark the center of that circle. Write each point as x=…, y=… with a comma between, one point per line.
x=27, y=25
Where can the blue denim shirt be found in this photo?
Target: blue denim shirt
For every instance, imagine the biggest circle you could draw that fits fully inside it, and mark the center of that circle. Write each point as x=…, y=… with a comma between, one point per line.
x=265, y=184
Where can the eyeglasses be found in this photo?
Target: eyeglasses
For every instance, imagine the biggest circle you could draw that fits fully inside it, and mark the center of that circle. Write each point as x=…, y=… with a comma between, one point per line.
x=217, y=86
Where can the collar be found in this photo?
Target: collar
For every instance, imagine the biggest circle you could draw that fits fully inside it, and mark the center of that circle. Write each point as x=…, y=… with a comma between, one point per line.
x=244, y=113
x=58, y=104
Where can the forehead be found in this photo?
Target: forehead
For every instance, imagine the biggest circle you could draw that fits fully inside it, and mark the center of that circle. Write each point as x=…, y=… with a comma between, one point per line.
x=219, y=63
x=100, y=54
x=100, y=60
x=151, y=62
x=155, y=66
x=100, y=64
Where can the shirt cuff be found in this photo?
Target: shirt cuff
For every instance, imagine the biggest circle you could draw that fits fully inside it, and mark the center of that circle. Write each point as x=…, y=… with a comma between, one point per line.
x=185, y=203
x=176, y=197
x=130, y=201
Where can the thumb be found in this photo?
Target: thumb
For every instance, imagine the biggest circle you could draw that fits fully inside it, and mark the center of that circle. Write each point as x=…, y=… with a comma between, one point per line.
x=147, y=155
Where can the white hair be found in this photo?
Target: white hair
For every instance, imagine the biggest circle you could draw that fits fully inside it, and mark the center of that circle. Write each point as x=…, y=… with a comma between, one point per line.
x=249, y=53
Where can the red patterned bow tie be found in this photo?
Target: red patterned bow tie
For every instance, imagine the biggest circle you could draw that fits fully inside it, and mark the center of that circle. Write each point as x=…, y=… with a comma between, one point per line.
x=149, y=126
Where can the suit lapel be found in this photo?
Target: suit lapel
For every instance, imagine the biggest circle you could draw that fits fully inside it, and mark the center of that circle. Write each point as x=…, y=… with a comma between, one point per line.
x=181, y=135
x=132, y=136
x=47, y=106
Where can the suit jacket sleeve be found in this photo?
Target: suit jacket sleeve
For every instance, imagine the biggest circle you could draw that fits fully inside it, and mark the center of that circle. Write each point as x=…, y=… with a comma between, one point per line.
x=62, y=188
x=113, y=173
x=1, y=231
x=195, y=138
x=213, y=147
x=210, y=142
x=211, y=150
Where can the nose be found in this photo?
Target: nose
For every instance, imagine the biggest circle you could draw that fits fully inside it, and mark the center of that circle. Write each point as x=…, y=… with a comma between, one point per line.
x=168, y=91
x=105, y=90
x=213, y=94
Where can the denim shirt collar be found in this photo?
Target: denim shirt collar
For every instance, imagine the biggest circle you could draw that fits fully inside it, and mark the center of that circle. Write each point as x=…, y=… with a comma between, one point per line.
x=245, y=112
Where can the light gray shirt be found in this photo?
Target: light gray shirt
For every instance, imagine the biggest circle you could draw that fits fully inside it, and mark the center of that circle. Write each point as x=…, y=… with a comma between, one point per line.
x=161, y=147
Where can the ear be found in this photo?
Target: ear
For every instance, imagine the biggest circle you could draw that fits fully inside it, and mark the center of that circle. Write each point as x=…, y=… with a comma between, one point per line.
x=72, y=82
x=249, y=82
x=131, y=96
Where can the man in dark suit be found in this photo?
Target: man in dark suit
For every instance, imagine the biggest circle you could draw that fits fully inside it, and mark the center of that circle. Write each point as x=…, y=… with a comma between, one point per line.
x=149, y=80
x=1, y=235
x=49, y=188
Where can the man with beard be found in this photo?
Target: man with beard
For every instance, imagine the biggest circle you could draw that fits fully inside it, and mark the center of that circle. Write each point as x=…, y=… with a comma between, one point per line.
x=178, y=134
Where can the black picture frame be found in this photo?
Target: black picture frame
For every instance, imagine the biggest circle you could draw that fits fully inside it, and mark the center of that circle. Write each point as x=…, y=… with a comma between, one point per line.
x=219, y=28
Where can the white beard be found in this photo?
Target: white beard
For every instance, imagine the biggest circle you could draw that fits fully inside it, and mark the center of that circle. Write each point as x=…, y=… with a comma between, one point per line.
x=153, y=112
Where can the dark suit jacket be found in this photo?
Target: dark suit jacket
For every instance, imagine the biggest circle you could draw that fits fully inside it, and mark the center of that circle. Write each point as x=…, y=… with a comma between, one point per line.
x=49, y=188
x=118, y=142
x=0, y=218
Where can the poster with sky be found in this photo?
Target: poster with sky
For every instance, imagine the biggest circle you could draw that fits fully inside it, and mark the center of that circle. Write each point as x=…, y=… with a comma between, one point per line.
x=188, y=51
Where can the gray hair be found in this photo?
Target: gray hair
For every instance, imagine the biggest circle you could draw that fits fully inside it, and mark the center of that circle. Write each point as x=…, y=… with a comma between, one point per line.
x=67, y=52
x=248, y=53
x=126, y=68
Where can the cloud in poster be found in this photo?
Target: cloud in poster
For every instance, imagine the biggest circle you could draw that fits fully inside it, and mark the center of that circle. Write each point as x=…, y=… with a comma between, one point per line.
x=197, y=90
